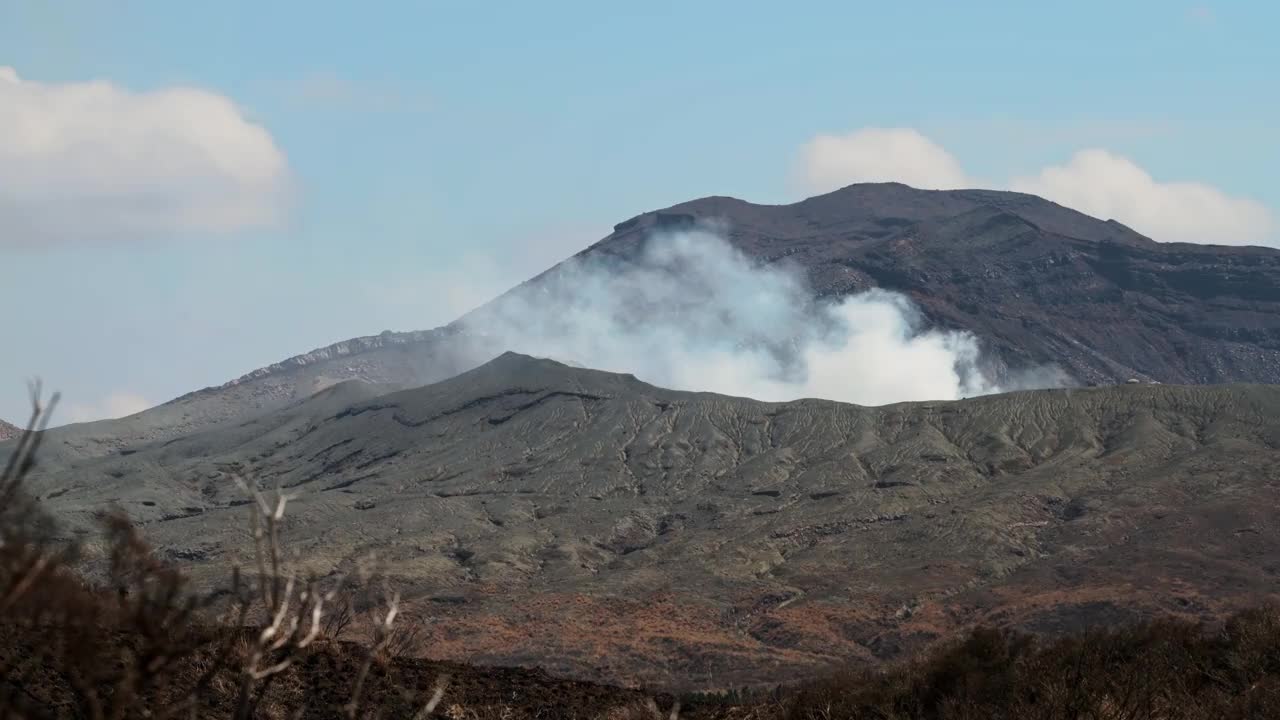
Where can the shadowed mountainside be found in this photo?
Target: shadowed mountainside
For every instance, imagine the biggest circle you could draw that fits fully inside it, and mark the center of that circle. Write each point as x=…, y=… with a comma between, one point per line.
x=608, y=529
x=1036, y=282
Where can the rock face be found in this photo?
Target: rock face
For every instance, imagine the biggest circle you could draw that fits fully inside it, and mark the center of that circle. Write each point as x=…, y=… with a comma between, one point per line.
x=1036, y=282
x=604, y=528
x=8, y=432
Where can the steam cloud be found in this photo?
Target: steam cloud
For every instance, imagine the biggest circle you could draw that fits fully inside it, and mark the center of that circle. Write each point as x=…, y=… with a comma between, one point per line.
x=693, y=313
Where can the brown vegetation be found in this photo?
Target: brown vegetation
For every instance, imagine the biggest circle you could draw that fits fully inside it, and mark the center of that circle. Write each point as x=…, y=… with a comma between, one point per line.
x=1165, y=669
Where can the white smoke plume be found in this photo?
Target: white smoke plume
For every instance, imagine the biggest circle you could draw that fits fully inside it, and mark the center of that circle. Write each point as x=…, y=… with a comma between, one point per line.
x=693, y=313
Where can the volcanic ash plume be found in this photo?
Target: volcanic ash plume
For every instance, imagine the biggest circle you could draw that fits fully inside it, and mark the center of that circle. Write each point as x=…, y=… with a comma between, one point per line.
x=693, y=313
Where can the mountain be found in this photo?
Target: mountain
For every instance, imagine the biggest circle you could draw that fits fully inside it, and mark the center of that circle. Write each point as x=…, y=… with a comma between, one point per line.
x=1036, y=282
x=610, y=529
x=604, y=528
x=8, y=432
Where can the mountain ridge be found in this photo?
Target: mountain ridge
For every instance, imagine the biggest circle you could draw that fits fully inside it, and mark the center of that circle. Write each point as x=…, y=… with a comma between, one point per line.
x=1037, y=283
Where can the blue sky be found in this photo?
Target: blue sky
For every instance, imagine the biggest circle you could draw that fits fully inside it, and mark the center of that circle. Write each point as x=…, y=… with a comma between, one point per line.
x=434, y=152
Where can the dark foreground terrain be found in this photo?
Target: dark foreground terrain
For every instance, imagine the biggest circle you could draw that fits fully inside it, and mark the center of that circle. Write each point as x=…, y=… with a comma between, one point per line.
x=140, y=641
x=58, y=665
x=1162, y=669
x=585, y=522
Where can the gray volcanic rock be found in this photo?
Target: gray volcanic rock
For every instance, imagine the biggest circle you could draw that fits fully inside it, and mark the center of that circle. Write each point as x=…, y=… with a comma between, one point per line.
x=605, y=528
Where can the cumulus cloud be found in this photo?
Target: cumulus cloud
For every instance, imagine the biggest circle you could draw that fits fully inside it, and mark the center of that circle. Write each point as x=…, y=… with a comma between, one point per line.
x=1106, y=185
x=693, y=313
x=829, y=162
x=116, y=405
x=1095, y=181
x=91, y=161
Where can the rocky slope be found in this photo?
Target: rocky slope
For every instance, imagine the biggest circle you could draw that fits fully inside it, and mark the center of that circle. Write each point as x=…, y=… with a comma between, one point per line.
x=8, y=432
x=382, y=362
x=1037, y=282
x=608, y=529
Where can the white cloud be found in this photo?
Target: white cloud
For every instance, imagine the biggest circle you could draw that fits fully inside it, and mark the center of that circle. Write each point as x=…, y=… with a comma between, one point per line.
x=1106, y=185
x=1096, y=182
x=829, y=162
x=116, y=405
x=91, y=161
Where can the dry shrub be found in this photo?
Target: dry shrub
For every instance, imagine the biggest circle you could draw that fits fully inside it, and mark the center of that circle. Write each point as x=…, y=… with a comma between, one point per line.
x=144, y=643
x=1168, y=669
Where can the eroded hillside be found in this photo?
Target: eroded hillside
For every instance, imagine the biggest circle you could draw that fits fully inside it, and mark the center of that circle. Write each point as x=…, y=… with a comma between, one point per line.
x=606, y=528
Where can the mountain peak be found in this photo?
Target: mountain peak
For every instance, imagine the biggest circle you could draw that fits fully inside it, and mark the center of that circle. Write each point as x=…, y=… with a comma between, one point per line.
x=517, y=369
